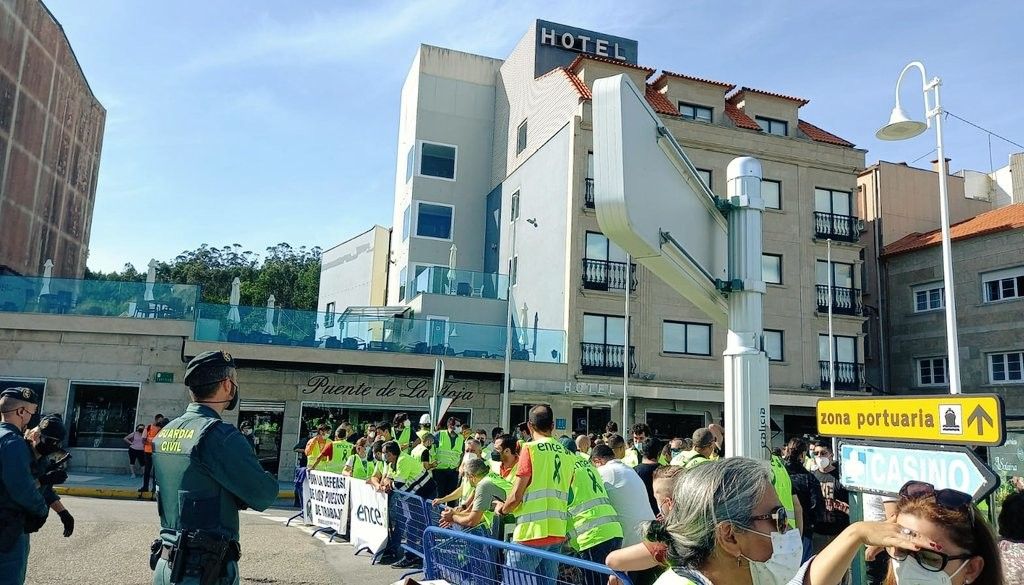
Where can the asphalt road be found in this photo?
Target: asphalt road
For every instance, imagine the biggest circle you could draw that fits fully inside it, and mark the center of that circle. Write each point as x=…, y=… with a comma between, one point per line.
x=112, y=537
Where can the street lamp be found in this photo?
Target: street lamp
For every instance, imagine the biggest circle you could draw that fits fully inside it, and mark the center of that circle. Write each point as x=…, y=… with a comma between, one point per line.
x=506, y=407
x=901, y=127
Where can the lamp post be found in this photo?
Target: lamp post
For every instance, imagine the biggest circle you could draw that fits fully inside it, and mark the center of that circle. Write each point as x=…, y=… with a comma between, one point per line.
x=901, y=127
x=506, y=407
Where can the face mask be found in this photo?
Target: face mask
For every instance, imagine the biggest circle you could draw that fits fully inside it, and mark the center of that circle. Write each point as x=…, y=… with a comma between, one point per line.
x=676, y=452
x=33, y=422
x=496, y=456
x=822, y=462
x=910, y=572
x=784, y=563
x=408, y=424
x=234, y=398
x=458, y=429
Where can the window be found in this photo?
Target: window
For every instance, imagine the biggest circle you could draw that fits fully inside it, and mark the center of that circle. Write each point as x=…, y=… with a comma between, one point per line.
x=687, y=338
x=695, y=112
x=600, y=247
x=406, y=220
x=771, y=192
x=845, y=348
x=773, y=345
x=403, y=281
x=437, y=160
x=772, y=126
x=434, y=220
x=771, y=268
x=410, y=163
x=834, y=202
x=101, y=414
x=931, y=372
x=521, y=138
x=514, y=213
x=1006, y=367
x=842, y=274
x=929, y=297
x=705, y=175
x=513, y=270
x=329, y=315
x=1004, y=284
x=604, y=329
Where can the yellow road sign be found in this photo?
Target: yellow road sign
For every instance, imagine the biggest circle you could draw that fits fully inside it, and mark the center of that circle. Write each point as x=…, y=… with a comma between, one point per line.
x=961, y=419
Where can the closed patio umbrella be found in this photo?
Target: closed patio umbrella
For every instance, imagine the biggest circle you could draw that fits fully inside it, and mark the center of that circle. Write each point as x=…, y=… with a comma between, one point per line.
x=150, y=279
x=451, y=268
x=47, y=273
x=268, y=327
x=236, y=295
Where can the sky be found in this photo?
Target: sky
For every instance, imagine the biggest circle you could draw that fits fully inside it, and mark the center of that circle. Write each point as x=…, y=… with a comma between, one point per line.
x=258, y=122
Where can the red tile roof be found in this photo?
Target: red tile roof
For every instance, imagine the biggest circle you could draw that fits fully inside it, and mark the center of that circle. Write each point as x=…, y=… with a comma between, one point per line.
x=584, y=57
x=660, y=103
x=819, y=135
x=666, y=73
x=581, y=87
x=739, y=93
x=740, y=119
x=1010, y=217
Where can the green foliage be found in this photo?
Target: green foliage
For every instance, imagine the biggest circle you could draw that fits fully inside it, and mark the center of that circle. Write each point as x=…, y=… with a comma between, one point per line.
x=291, y=275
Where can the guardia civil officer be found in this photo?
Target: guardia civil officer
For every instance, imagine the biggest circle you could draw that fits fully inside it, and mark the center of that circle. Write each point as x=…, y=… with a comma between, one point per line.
x=22, y=508
x=46, y=441
x=206, y=471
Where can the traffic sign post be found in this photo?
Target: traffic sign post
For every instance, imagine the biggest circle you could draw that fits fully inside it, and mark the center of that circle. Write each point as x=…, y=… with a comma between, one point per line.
x=961, y=419
x=883, y=468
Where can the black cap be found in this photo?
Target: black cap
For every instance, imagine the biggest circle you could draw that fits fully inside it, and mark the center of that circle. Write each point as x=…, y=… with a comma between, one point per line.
x=20, y=393
x=198, y=371
x=51, y=426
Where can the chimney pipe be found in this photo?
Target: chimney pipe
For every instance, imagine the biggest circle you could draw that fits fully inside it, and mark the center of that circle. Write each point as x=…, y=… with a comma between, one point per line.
x=945, y=166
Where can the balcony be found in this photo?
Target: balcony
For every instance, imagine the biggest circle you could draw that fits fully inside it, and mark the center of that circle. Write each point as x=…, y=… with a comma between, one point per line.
x=98, y=298
x=849, y=375
x=588, y=193
x=291, y=327
x=601, y=359
x=845, y=301
x=607, y=275
x=845, y=228
x=440, y=280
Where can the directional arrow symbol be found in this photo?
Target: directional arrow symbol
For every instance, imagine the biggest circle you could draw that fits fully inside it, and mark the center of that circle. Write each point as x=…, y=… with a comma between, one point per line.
x=981, y=416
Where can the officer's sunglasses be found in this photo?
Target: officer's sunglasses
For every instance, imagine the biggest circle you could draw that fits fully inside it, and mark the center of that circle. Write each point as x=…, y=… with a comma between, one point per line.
x=780, y=517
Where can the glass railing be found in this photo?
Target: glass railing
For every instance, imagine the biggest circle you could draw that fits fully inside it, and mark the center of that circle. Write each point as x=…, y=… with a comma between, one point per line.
x=101, y=298
x=290, y=327
x=440, y=280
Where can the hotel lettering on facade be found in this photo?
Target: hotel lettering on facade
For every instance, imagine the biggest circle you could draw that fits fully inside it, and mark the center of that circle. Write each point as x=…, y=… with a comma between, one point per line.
x=489, y=151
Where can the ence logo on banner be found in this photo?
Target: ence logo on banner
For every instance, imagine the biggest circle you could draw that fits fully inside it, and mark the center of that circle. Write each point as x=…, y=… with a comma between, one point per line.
x=368, y=514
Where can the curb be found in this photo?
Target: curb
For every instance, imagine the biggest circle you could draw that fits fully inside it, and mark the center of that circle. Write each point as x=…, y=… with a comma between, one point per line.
x=126, y=493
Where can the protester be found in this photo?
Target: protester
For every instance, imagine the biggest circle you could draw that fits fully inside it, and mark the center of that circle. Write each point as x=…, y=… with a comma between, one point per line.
x=595, y=529
x=617, y=444
x=151, y=431
x=648, y=464
x=702, y=452
x=136, y=449
x=1011, y=541
x=317, y=443
x=568, y=443
x=247, y=433
x=649, y=554
x=401, y=472
x=719, y=433
x=676, y=446
x=450, y=446
x=834, y=516
x=539, y=496
x=505, y=456
x=357, y=465
x=488, y=488
x=583, y=446
x=807, y=490
x=626, y=491
x=634, y=454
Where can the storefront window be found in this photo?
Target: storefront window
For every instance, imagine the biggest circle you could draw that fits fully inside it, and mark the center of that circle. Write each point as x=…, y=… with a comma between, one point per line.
x=100, y=414
x=317, y=413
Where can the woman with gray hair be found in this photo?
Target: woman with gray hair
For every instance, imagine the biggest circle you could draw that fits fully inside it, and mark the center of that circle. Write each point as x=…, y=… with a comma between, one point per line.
x=727, y=527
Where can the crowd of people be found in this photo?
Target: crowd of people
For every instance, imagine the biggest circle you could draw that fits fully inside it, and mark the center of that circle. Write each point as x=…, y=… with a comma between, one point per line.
x=672, y=512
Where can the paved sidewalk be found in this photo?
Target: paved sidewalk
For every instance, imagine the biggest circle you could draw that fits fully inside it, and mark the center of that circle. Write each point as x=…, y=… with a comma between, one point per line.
x=124, y=487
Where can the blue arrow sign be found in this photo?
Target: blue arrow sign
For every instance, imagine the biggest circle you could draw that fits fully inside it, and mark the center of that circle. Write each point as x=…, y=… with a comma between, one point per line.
x=884, y=468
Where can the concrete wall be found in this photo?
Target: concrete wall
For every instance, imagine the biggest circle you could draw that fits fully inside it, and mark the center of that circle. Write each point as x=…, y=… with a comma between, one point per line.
x=755, y=104
x=983, y=327
x=677, y=90
x=354, y=273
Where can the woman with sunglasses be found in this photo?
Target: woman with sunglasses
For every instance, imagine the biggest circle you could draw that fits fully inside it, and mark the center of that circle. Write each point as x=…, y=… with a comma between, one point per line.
x=727, y=527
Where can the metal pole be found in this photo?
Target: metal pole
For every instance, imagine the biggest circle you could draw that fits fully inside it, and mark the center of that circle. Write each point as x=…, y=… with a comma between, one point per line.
x=748, y=431
x=506, y=408
x=626, y=361
x=831, y=338
x=952, y=345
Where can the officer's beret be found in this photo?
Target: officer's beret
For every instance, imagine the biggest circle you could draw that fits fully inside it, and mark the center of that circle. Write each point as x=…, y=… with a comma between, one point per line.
x=206, y=368
x=51, y=426
x=19, y=393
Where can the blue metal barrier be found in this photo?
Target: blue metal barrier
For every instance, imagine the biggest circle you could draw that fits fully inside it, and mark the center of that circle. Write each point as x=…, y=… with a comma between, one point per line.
x=412, y=516
x=463, y=558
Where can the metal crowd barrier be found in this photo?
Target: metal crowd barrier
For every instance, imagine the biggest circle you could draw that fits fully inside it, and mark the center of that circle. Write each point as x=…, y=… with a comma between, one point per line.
x=412, y=515
x=464, y=558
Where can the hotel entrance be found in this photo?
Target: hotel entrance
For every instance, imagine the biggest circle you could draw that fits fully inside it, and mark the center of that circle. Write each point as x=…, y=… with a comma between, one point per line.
x=267, y=420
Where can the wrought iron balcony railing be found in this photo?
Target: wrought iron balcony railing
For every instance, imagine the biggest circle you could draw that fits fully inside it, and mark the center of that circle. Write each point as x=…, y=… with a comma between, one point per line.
x=607, y=275
x=845, y=228
x=845, y=301
x=849, y=375
x=605, y=360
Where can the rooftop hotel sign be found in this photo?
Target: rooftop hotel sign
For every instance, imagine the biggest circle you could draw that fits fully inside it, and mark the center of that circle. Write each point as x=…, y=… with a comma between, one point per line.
x=558, y=44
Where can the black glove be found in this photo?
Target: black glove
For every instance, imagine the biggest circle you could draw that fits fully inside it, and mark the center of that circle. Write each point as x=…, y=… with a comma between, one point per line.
x=69, y=522
x=55, y=477
x=34, y=523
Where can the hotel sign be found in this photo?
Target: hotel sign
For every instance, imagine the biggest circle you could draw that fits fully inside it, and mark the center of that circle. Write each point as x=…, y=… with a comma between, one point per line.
x=558, y=44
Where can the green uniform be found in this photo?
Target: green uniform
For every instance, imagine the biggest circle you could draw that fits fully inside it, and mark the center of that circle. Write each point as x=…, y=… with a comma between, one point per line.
x=20, y=501
x=545, y=506
x=632, y=457
x=449, y=450
x=503, y=486
x=594, y=519
x=361, y=469
x=407, y=473
x=206, y=472
x=404, y=437
x=783, y=488
x=340, y=452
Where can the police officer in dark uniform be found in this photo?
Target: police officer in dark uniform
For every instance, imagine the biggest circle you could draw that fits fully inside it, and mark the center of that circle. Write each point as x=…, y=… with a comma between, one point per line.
x=22, y=508
x=206, y=471
x=46, y=441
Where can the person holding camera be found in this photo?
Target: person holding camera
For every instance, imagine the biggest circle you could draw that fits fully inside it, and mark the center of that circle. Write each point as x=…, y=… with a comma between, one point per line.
x=46, y=441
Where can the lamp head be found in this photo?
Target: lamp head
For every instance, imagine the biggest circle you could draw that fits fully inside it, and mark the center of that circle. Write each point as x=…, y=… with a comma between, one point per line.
x=900, y=126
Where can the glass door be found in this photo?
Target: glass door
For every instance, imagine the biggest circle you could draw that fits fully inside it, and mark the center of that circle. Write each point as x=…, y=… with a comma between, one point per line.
x=266, y=420
x=590, y=419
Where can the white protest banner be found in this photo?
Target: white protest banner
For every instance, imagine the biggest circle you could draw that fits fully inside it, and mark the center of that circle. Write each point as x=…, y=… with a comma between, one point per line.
x=328, y=496
x=307, y=510
x=369, y=516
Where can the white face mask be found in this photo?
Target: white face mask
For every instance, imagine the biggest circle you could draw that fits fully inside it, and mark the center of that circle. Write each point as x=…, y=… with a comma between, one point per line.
x=408, y=424
x=823, y=462
x=910, y=572
x=783, y=565
x=458, y=429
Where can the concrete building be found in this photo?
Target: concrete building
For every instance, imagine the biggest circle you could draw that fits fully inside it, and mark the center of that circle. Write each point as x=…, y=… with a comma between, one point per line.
x=1002, y=186
x=495, y=158
x=51, y=134
x=988, y=260
x=353, y=274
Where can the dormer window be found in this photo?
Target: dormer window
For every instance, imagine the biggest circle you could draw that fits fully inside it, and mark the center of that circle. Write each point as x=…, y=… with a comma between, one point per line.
x=695, y=112
x=773, y=126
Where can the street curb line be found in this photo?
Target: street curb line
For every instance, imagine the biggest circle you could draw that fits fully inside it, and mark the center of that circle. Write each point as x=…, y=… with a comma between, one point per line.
x=127, y=494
